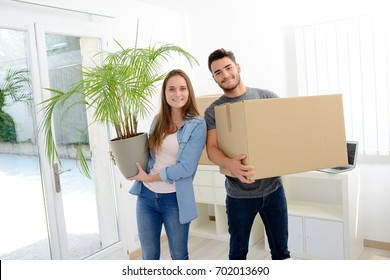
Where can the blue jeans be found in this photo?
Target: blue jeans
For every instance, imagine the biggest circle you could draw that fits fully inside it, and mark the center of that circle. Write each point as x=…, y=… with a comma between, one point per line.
x=154, y=210
x=273, y=211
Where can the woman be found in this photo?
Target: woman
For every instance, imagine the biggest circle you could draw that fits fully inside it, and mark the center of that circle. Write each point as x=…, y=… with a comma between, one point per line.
x=165, y=191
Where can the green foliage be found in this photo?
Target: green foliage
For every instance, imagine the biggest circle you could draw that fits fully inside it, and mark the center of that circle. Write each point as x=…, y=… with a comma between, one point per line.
x=12, y=90
x=7, y=128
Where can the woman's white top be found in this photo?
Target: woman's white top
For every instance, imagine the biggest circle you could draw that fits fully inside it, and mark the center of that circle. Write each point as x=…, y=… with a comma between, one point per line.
x=165, y=156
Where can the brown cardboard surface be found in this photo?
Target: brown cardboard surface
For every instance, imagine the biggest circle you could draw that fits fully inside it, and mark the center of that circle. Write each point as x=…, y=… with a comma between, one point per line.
x=284, y=135
x=202, y=102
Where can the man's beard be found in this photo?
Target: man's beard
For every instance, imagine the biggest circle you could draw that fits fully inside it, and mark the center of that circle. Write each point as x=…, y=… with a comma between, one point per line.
x=227, y=89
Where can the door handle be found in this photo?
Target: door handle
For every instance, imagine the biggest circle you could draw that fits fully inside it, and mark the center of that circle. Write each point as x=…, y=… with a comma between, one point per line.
x=57, y=173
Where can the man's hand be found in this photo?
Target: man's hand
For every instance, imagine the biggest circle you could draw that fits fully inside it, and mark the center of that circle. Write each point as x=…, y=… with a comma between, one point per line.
x=240, y=171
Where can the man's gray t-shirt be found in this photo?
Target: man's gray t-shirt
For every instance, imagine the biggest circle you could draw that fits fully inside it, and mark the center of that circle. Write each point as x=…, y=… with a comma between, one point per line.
x=234, y=187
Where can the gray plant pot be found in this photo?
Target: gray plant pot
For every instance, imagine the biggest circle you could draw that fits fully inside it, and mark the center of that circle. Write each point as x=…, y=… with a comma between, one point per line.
x=128, y=151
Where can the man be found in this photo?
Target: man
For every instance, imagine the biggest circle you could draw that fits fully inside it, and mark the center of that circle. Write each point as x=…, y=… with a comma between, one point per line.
x=245, y=197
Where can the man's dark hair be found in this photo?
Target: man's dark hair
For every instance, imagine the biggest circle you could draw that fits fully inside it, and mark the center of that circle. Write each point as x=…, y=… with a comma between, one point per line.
x=218, y=54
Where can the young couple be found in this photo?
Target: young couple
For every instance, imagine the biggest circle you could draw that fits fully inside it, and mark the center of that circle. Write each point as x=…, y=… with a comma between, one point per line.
x=176, y=139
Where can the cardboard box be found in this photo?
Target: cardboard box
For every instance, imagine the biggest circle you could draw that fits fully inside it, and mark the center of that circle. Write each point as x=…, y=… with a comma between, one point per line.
x=202, y=102
x=284, y=135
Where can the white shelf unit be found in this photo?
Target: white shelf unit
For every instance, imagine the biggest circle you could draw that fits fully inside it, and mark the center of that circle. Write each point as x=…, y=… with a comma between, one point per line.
x=210, y=195
x=324, y=220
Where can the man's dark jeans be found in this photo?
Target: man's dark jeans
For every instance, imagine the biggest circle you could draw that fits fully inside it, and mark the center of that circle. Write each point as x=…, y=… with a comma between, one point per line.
x=241, y=213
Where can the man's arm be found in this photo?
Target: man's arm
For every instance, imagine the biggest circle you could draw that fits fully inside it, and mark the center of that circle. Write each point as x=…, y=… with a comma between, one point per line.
x=238, y=170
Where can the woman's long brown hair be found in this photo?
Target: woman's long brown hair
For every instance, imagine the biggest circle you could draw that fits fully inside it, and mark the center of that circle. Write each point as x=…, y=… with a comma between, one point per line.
x=164, y=123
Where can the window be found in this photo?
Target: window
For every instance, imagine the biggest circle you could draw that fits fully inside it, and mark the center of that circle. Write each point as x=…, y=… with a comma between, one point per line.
x=351, y=57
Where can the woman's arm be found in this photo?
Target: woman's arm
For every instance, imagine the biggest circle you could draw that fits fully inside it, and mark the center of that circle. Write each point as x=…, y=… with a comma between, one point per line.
x=189, y=158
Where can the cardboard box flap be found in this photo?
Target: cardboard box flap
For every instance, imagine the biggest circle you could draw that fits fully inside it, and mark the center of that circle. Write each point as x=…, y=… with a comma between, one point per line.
x=202, y=102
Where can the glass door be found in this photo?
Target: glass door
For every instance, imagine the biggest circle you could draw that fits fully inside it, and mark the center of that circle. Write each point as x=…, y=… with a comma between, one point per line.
x=51, y=212
x=85, y=208
x=23, y=233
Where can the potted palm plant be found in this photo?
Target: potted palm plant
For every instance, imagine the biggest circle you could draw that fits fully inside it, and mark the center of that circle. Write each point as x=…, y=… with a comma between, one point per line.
x=120, y=91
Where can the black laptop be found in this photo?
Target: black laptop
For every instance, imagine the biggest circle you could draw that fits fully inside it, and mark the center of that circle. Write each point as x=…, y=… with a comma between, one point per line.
x=352, y=149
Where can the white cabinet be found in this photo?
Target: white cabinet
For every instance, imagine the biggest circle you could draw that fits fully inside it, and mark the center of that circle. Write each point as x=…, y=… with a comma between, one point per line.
x=324, y=220
x=324, y=238
x=315, y=238
x=210, y=195
x=295, y=231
